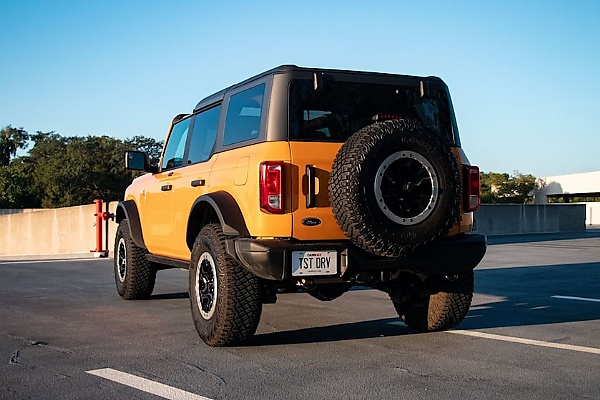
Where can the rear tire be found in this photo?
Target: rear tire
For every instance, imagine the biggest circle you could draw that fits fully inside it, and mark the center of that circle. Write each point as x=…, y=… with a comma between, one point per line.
x=224, y=297
x=134, y=275
x=442, y=310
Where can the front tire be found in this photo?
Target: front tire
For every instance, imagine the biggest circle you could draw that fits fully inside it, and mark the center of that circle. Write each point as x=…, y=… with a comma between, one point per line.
x=134, y=275
x=225, y=298
x=443, y=309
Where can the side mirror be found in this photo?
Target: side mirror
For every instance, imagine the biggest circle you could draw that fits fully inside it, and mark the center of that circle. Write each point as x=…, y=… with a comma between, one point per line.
x=137, y=161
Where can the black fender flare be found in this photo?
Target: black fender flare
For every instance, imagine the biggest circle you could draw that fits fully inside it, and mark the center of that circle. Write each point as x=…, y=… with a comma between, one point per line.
x=215, y=206
x=128, y=210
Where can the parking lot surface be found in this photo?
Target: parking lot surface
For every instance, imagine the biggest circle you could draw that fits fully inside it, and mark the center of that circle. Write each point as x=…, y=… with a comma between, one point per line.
x=533, y=331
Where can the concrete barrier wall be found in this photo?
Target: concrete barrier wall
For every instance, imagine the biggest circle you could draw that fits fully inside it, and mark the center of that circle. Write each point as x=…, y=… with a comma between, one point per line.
x=72, y=230
x=513, y=219
x=6, y=211
x=67, y=231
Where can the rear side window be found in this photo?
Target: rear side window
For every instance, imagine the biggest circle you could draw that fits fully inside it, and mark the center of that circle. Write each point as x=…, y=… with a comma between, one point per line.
x=345, y=107
x=204, y=134
x=173, y=155
x=243, y=115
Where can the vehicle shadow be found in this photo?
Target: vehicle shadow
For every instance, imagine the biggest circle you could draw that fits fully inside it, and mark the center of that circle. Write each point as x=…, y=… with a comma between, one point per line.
x=170, y=296
x=504, y=297
x=542, y=237
x=334, y=333
x=525, y=296
x=522, y=296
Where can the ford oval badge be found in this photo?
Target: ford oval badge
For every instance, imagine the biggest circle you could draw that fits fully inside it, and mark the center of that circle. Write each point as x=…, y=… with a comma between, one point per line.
x=311, y=221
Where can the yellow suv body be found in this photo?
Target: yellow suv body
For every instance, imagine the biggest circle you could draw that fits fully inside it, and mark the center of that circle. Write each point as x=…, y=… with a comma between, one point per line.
x=323, y=179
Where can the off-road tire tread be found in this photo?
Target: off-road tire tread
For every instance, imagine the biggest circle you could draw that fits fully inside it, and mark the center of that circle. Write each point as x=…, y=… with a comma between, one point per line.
x=140, y=276
x=368, y=229
x=444, y=310
x=239, y=304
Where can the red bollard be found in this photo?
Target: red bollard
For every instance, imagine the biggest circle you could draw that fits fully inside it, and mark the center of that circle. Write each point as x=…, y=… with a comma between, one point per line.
x=100, y=216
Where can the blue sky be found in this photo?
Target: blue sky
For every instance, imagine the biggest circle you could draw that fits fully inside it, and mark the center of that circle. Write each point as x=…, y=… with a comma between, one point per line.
x=524, y=75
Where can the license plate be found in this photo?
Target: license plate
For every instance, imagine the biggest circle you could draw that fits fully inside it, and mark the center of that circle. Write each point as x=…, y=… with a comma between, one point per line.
x=314, y=263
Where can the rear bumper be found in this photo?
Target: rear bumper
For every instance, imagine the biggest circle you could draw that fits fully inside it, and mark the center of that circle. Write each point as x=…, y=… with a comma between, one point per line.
x=271, y=259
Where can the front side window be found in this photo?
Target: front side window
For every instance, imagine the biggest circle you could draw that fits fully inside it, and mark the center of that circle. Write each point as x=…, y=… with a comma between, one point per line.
x=204, y=135
x=343, y=108
x=243, y=115
x=173, y=155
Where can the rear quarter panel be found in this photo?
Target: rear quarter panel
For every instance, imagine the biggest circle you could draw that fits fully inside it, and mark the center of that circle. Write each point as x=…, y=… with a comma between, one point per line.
x=236, y=172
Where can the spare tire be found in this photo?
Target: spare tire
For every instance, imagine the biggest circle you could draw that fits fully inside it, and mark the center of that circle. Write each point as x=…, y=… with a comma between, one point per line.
x=394, y=187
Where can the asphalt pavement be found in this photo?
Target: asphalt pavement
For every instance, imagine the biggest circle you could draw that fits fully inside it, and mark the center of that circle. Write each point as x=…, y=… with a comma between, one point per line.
x=532, y=333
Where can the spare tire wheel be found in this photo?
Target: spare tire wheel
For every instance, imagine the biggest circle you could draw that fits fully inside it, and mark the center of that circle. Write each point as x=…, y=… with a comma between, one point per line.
x=393, y=187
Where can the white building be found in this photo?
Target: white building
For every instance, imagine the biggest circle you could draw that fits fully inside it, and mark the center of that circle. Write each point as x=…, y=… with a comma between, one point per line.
x=570, y=186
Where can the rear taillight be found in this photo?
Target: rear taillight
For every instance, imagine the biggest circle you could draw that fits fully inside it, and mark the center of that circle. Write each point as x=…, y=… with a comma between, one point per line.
x=271, y=187
x=471, y=188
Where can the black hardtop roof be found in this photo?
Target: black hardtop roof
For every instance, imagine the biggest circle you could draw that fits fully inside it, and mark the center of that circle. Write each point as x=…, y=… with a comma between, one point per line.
x=218, y=96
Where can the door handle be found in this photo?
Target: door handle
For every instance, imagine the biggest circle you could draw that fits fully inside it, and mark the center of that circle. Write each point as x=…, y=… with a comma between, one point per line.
x=166, y=188
x=311, y=197
x=198, y=182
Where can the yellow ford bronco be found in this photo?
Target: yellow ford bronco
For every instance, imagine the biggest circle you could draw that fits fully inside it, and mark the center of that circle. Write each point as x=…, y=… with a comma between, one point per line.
x=322, y=179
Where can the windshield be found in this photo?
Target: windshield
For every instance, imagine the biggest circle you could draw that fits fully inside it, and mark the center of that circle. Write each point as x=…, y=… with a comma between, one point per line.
x=343, y=108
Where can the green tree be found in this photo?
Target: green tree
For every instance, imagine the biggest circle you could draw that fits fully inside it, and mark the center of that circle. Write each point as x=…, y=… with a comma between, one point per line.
x=11, y=139
x=150, y=146
x=64, y=171
x=490, y=183
x=77, y=170
x=505, y=188
x=16, y=190
x=519, y=188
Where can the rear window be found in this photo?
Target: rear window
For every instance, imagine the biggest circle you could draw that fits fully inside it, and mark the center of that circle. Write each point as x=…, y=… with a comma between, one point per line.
x=243, y=115
x=343, y=108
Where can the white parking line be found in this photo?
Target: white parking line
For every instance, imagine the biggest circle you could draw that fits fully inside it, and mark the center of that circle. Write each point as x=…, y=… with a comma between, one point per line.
x=540, y=343
x=577, y=298
x=145, y=385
